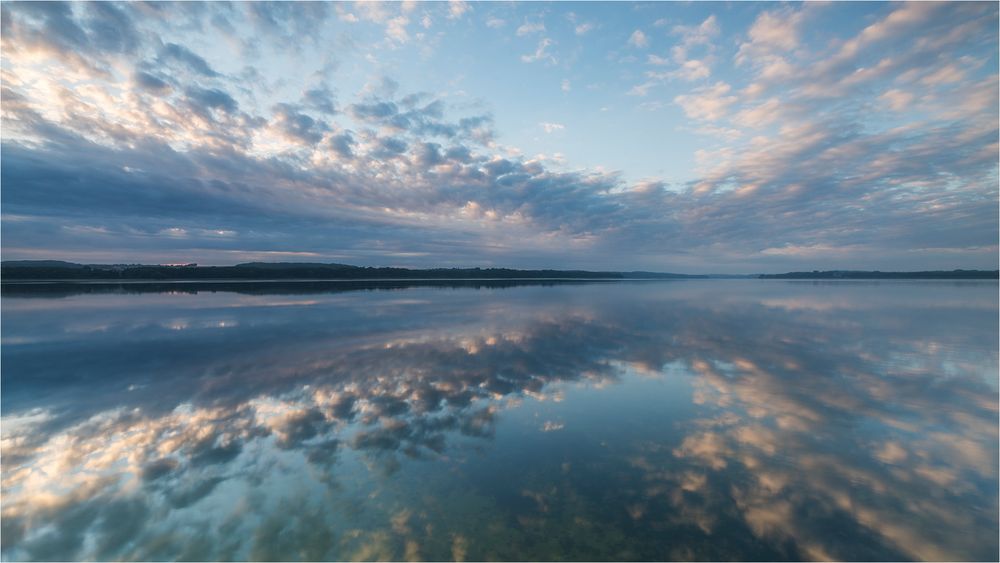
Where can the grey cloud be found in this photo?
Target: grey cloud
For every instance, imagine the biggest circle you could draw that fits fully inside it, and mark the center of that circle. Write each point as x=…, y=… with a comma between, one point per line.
x=374, y=110
x=300, y=427
x=390, y=147
x=426, y=120
x=459, y=154
x=80, y=32
x=57, y=19
x=342, y=144
x=223, y=24
x=159, y=468
x=320, y=99
x=150, y=82
x=186, y=496
x=429, y=154
x=213, y=98
x=193, y=62
x=111, y=28
x=298, y=125
x=289, y=23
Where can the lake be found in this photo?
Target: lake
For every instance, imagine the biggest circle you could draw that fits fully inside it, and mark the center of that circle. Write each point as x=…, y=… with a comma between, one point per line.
x=709, y=419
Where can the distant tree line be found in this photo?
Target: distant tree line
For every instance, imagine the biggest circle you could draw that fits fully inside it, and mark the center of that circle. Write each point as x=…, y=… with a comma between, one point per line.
x=877, y=275
x=274, y=271
x=58, y=289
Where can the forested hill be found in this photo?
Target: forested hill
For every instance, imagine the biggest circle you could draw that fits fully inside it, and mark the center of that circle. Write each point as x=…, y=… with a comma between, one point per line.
x=57, y=270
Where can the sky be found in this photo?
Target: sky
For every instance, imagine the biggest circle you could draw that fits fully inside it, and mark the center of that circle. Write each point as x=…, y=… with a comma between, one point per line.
x=689, y=137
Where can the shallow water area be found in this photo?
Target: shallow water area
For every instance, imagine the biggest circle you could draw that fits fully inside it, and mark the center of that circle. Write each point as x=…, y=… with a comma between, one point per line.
x=703, y=419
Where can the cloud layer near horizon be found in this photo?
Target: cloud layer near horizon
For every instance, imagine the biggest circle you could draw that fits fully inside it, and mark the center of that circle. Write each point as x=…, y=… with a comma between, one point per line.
x=168, y=132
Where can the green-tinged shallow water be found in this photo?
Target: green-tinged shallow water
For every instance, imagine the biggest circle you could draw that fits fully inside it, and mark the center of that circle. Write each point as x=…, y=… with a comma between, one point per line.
x=751, y=420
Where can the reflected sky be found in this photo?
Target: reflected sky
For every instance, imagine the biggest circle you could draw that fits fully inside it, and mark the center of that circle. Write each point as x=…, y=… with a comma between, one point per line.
x=655, y=420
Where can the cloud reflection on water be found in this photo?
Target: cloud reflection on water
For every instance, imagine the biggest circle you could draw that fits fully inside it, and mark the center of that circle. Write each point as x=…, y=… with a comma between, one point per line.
x=827, y=422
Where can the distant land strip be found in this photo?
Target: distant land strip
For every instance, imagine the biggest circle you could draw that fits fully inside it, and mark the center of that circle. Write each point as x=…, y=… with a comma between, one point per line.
x=56, y=270
x=23, y=270
x=39, y=270
x=877, y=275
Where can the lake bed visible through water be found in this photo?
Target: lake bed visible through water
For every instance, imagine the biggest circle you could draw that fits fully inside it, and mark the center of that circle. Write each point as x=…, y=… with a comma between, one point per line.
x=708, y=419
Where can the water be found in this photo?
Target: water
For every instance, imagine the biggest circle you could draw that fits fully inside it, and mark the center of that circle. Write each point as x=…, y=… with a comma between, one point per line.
x=651, y=420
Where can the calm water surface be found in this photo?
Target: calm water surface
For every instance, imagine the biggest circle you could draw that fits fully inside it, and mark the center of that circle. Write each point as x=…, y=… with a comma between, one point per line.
x=655, y=420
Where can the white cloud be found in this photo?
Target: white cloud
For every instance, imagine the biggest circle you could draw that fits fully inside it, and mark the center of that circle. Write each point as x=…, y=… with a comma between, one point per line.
x=641, y=89
x=896, y=23
x=395, y=29
x=373, y=11
x=776, y=31
x=947, y=74
x=701, y=34
x=565, y=85
x=726, y=133
x=638, y=39
x=691, y=37
x=760, y=115
x=541, y=53
x=529, y=28
x=694, y=36
x=897, y=100
x=551, y=127
x=457, y=8
x=583, y=28
x=495, y=22
x=771, y=33
x=709, y=103
x=692, y=70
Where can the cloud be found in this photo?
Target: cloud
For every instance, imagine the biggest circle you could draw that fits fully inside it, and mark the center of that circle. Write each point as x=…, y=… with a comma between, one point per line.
x=778, y=31
x=541, y=53
x=529, y=28
x=342, y=144
x=795, y=160
x=689, y=70
x=289, y=25
x=692, y=38
x=897, y=100
x=710, y=103
x=702, y=34
x=194, y=63
x=457, y=8
x=389, y=147
x=760, y=115
x=212, y=98
x=584, y=28
x=81, y=37
x=395, y=29
x=638, y=39
x=299, y=126
x=320, y=99
x=150, y=82
x=551, y=127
